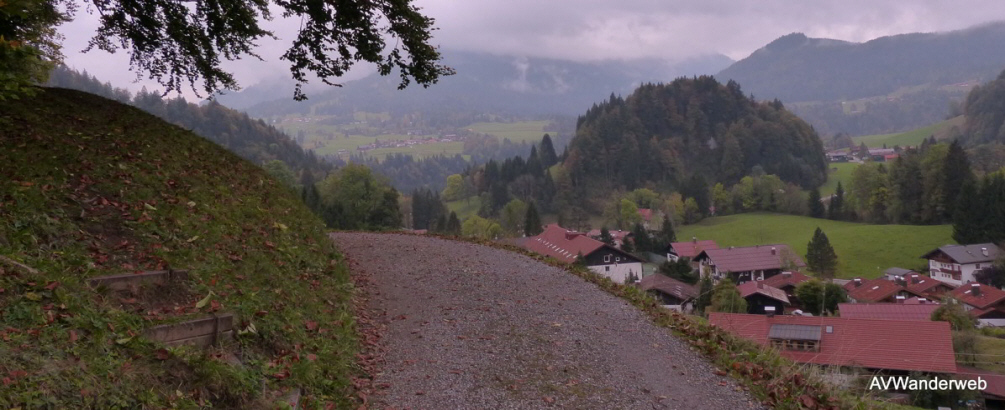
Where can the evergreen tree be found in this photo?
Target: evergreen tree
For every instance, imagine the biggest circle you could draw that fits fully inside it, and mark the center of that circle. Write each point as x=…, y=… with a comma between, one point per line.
x=956, y=171
x=819, y=298
x=704, y=294
x=820, y=256
x=836, y=209
x=666, y=235
x=815, y=206
x=680, y=270
x=968, y=220
x=453, y=224
x=726, y=298
x=532, y=221
x=547, y=152
x=643, y=242
x=605, y=236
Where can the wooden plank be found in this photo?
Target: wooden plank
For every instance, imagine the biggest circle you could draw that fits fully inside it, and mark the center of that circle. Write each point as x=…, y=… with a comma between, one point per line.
x=125, y=281
x=203, y=331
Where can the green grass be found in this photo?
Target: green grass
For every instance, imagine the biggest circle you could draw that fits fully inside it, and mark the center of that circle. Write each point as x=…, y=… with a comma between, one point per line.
x=529, y=131
x=465, y=208
x=910, y=138
x=992, y=351
x=863, y=250
x=90, y=187
x=837, y=171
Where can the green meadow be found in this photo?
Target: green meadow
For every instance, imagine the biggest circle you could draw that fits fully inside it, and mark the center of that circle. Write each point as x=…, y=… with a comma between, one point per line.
x=837, y=171
x=863, y=250
x=910, y=138
x=529, y=131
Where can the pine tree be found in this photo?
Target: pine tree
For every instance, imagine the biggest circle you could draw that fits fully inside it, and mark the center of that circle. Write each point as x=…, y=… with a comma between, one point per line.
x=968, y=220
x=820, y=256
x=836, y=209
x=453, y=224
x=814, y=204
x=726, y=298
x=704, y=294
x=956, y=171
x=532, y=221
x=605, y=236
x=547, y=152
x=643, y=242
x=666, y=235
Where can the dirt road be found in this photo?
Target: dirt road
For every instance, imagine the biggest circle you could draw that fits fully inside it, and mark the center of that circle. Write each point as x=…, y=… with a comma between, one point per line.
x=469, y=326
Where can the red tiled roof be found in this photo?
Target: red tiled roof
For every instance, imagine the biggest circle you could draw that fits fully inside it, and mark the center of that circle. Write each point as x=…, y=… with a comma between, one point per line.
x=996, y=382
x=872, y=344
x=917, y=301
x=617, y=235
x=761, y=257
x=749, y=288
x=887, y=311
x=669, y=286
x=873, y=290
x=786, y=279
x=561, y=244
x=690, y=249
x=922, y=285
x=988, y=297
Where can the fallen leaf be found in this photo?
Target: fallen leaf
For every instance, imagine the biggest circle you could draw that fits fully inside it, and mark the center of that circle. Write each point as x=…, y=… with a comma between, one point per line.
x=52, y=285
x=202, y=303
x=162, y=354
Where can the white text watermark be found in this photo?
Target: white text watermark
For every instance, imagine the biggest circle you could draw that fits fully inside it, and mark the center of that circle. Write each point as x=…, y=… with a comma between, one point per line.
x=907, y=383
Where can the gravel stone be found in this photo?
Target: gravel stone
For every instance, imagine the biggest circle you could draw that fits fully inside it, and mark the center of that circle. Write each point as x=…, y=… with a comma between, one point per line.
x=471, y=326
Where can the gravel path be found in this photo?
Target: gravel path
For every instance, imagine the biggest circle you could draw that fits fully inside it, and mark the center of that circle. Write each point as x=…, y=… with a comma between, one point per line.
x=470, y=326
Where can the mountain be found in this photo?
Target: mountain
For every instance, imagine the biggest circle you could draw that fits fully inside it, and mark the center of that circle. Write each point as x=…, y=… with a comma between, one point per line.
x=92, y=187
x=484, y=83
x=665, y=134
x=903, y=81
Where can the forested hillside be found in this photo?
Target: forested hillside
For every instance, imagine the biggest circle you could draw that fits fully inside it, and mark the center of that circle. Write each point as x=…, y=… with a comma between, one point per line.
x=664, y=134
x=985, y=113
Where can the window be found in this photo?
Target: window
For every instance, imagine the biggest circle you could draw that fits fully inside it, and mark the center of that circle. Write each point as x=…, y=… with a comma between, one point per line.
x=607, y=258
x=978, y=266
x=618, y=259
x=607, y=268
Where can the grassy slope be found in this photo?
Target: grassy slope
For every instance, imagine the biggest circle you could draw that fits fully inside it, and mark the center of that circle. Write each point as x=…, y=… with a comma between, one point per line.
x=910, y=138
x=838, y=171
x=90, y=187
x=863, y=250
x=530, y=132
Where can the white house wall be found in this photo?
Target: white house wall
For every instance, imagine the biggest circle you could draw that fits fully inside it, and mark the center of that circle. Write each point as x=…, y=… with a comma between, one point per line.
x=618, y=272
x=966, y=271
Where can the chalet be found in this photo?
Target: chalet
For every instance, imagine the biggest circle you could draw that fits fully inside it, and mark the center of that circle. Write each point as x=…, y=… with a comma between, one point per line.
x=671, y=292
x=760, y=296
x=690, y=249
x=876, y=291
x=787, y=282
x=875, y=345
x=744, y=264
x=957, y=264
x=986, y=303
x=887, y=311
x=925, y=286
x=565, y=246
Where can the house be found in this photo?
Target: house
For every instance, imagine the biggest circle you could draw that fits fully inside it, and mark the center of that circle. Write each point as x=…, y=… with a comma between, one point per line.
x=957, y=264
x=877, y=345
x=690, y=249
x=876, y=291
x=994, y=393
x=564, y=245
x=671, y=292
x=986, y=303
x=887, y=311
x=759, y=296
x=894, y=273
x=787, y=282
x=925, y=286
x=749, y=263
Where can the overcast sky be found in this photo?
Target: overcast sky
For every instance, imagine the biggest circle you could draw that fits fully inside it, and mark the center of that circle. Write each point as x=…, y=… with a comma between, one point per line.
x=585, y=30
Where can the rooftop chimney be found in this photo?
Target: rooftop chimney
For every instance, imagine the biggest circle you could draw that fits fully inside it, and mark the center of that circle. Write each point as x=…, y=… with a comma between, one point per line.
x=915, y=279
x=899, y=280
x=984, y=251
x=858, y=282
x=769, y=310
x=773, y=250
x=786, y=274
x=900, y=298
x=975, y=289
x=922, y=301
x=694, y=239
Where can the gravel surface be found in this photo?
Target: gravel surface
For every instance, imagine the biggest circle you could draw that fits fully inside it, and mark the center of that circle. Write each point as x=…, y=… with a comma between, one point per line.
x=470, y=326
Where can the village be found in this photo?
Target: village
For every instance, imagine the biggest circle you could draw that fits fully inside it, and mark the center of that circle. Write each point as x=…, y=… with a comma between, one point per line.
x=881, y=327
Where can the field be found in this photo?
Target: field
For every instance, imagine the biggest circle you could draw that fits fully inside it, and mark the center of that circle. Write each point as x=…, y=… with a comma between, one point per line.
x=330, y=139
x=863, y=250
x=465, y=208
x=910, y=138
x=529, y=131
x=838, y=171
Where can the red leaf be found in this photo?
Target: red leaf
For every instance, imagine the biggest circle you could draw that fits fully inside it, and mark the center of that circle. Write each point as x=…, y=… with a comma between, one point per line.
x=311, y=325
x=281, y=375
x=73, y=335
x=261, y=313
x=312, y=357
x=52, y=285
x=162, y=354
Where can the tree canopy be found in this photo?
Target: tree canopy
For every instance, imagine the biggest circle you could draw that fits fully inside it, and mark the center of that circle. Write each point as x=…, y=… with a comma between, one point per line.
x=177, y=42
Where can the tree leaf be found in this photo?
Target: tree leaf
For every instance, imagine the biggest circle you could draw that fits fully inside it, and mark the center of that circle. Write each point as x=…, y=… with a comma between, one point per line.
x=202, y=303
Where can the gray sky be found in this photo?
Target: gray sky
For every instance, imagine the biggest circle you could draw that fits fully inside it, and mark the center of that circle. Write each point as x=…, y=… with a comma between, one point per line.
x=585, y=30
